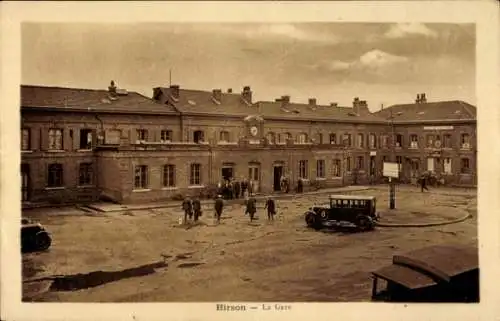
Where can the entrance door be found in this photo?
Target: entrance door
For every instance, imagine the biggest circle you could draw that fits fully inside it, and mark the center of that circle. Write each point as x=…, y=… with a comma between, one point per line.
x=430, y=164
x=25, y=182
x=227, y=173
x=278, y=172
x=372, y=165
x=254, y=177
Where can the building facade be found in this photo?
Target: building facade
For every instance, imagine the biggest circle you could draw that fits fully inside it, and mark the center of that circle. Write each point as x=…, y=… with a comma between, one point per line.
x=82, y=145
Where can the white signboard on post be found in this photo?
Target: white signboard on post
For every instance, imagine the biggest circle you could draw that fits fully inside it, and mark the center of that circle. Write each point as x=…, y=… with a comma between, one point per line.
x=391, y=170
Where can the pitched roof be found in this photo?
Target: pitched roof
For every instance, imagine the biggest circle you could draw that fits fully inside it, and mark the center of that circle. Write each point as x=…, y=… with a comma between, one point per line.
x=202, y=102
x=232, y=104
x=86, y=100
x=316, y=112
x=440, y=110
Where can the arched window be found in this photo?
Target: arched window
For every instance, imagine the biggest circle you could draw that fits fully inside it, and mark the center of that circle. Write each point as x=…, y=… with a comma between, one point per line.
x=271, y=138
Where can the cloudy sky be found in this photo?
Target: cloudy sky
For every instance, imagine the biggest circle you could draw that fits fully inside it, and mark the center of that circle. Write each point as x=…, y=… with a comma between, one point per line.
x=333, y=62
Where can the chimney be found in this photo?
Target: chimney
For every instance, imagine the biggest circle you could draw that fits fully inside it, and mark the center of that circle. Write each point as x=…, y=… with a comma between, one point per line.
x=423, y=100
x=174, y=91
x=247, y=94
x=112, y=88
x=355, y=105
x=312, y=101
x=285, y=100
x=230, y=90
x=217, y=95
x=334, y=104
x=418, y=100
x=277, y=100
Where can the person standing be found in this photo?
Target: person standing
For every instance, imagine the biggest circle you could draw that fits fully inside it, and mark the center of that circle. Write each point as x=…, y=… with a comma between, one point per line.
x=300, y=186
x=423, y=183
x=237, y=189
x=187, y=206
x=196, y=209
x=219, y=206
x=251, y=207
x=271, y=208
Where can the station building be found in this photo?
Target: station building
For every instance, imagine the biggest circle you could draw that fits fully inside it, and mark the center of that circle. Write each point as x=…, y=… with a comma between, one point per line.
x=81, y=145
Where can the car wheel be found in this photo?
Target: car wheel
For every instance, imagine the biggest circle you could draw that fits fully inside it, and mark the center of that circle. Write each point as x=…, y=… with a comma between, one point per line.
x=313, y=221
x=364, y=223
x=43, y=241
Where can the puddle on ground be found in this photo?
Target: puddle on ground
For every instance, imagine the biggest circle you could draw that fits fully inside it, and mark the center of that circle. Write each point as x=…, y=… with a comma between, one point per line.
x=97, y=278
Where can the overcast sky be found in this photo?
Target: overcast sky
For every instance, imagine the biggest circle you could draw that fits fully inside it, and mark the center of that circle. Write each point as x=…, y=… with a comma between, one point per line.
x=333, y=62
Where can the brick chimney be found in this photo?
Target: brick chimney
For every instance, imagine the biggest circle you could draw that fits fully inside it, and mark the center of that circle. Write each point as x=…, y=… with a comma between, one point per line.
x=285, y=100
x=112, y=88
x=175, y=91
x=355, y=105
x=230, y=90
x=312, y=102
x=423, y=99
x=217, y=95
x=418, y=100
x=247, y=94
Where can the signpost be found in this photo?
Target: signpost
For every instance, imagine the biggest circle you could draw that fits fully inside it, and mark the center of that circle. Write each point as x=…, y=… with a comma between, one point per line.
x=391, y=170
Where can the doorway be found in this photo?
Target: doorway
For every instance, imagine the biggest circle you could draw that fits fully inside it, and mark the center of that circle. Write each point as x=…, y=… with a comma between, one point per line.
x=227, y=173
x=25, y=182
x=278, y=173
x=254, y=177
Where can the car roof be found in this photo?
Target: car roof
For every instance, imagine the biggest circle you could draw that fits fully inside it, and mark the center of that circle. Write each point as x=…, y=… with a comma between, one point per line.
x=353, y=197
x=427, y=266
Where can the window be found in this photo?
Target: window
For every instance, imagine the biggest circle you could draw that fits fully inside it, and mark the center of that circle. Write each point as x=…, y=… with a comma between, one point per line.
x=85, y=174
x=360, y=140
x=399, y=160
x=142, y=135
x=430, y=141
x=168, y=175
x=447, y=143
x=166, y=136
x=224, y=136
x=198, y=136
x=302, y=138
x=438, y=142
x=348, y=164
x=194, y=174
x=413, y=141
x=385, y=141
x=465, y=141
x=55, y=139
x=399, y=140
x=271, y=138
x=25, y=139
x=319, y=139
x=141, y=177
x=303, y=169
x=113, y=137
x=447, y=165
x=320, y=168
x=372, y=141
x=336, y=169
x=347, y=140
x=85, y=139
x=333, y=138
x=464, y=165
x=55, y=175
x=360, y=163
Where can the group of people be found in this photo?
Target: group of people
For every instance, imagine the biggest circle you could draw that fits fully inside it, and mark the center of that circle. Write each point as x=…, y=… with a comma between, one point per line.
x=233, y=189
x=192, y=208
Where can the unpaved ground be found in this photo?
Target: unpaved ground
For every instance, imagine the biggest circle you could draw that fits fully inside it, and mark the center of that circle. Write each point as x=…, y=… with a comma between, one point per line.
x=146, y=257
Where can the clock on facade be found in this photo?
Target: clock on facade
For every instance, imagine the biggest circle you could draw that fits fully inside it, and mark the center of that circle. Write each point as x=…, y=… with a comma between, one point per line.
x=254, y=131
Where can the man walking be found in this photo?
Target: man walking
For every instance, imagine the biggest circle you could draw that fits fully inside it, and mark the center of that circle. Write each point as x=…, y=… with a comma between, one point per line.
x=423, y=183
x=187, y=206
x=251, y=207
x=196, y=209
x=271, y=208
x=219, y=206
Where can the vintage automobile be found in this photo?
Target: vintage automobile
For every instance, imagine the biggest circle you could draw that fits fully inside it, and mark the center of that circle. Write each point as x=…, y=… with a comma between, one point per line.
x=34, y=237
x=352, y=211
x=442, y=273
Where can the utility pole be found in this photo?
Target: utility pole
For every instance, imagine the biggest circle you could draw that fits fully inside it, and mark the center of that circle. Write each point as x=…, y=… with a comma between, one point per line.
x=392, y=189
